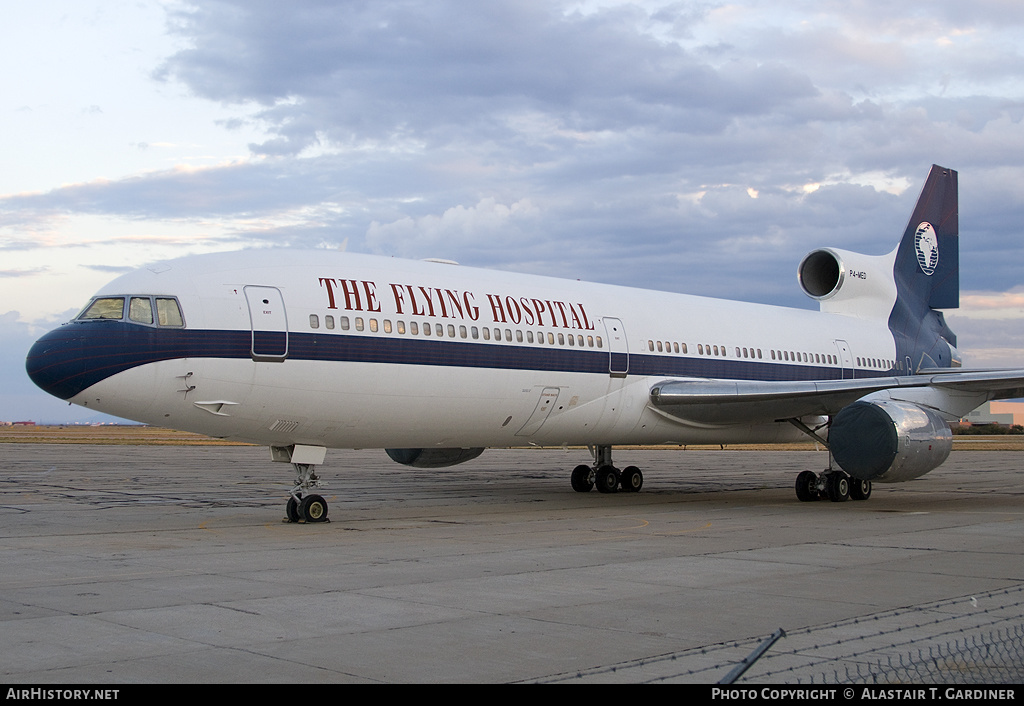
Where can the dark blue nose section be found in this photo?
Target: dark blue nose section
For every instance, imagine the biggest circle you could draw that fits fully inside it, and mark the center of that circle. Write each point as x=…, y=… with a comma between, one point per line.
x=57, y=361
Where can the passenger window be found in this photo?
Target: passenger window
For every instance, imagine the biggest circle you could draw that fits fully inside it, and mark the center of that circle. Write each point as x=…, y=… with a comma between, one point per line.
x=106, y=308
x=140, y=310
x=314, y=321
x=344, y=323
x=329, y=321
x=387, y=325
x=168, y=313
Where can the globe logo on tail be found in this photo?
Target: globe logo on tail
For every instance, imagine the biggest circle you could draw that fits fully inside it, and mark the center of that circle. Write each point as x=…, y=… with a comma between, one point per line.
x=927, y=245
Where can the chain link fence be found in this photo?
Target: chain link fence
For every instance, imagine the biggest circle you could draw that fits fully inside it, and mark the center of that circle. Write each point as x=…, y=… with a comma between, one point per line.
x=975, y=639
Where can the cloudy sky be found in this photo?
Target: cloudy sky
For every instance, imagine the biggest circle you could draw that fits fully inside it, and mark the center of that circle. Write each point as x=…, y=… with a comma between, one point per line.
x=699, y=147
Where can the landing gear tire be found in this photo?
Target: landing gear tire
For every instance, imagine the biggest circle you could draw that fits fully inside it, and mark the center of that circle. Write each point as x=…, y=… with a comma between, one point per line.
x=582, y=479
x=632, y=479
x=607, y=479
x=860, y=489
x=292, y=510
x=838, y=487
x=807, y=487
x=313, y=509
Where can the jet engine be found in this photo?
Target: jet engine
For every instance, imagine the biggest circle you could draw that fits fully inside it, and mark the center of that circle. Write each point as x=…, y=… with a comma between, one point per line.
x=432, y=458
x=889, y=441
x=845, y=282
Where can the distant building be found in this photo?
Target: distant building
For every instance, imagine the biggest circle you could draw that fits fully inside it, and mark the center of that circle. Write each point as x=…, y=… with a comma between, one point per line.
x=23, y=424
x=1006, y=413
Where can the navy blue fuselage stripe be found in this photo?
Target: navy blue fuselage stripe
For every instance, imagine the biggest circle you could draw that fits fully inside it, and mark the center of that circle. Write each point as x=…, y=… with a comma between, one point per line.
x=70, y=359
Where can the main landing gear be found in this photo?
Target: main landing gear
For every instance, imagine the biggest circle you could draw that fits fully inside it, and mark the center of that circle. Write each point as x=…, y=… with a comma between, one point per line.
x=835, y=485
x=605, y=476
x=304, y=506
x=832, y=483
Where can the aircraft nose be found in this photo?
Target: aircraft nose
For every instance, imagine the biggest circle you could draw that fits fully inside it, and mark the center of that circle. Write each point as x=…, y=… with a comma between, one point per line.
x=56, y=362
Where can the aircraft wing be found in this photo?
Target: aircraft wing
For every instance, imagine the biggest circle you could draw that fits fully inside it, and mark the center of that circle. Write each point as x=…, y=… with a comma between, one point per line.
x=716, y=402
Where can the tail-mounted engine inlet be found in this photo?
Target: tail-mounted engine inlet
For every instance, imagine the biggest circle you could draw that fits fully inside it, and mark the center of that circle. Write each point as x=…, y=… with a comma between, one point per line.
x=845, y=282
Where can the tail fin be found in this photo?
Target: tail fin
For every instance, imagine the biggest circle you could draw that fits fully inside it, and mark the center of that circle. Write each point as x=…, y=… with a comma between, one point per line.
x=927, y=275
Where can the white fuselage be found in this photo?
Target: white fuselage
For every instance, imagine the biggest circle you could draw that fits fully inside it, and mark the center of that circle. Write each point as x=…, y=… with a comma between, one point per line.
x=373, y=352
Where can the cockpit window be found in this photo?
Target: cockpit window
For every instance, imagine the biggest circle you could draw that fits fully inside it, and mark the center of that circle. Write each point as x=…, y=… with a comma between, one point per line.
x=142, y=309
x=104, y=308
x=168, y=312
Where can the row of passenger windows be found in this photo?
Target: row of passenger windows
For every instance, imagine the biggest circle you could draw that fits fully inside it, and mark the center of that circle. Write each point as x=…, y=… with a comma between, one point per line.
x=740, y=352
x=161, y=311
x=755, y=353
x=577, y=340
x=879, y=363
x=458, y=332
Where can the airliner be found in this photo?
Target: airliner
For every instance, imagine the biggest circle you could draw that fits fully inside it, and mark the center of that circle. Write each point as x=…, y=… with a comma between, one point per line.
x=434, y=362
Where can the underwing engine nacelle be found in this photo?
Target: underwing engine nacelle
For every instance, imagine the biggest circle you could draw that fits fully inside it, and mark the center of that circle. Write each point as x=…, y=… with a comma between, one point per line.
x=889, y=441
x=432, y=458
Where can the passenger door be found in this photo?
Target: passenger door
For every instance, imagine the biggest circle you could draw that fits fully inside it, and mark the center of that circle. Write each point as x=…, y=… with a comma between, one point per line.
x=269, y=323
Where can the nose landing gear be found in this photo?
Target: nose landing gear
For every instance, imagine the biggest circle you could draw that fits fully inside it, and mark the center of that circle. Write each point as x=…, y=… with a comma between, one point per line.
x=304, y=506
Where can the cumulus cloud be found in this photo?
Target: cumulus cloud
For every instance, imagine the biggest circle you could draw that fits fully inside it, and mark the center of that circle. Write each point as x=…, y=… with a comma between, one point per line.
x=486, y=225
